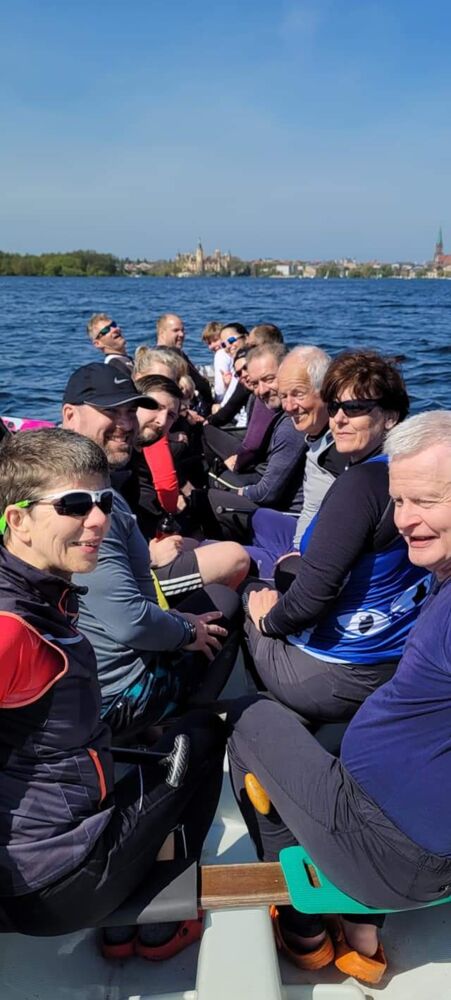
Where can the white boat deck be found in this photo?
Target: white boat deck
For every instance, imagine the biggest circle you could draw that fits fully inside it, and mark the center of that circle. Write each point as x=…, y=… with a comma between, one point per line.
x=237, y=960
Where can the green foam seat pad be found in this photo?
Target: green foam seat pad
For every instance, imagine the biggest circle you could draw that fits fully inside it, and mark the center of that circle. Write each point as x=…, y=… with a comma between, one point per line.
x=311, y=892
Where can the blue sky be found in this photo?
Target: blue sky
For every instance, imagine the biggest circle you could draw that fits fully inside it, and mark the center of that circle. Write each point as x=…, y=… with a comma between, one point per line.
x=302, y=129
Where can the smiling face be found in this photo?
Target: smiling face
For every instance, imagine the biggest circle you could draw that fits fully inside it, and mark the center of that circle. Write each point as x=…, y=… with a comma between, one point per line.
x=154, y=424
x=303, y=404
x=262, y=376
x=420, y=485
x=358, y=436
x=113, y=429
x=172, y=332
x=110, y=342
x=58, y=543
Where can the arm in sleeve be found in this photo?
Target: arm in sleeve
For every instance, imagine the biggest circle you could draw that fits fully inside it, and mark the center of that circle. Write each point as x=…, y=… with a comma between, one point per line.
x=230, y=409
x=284, y=455
x=160, y=463
x=345, y=526
x=118, y=598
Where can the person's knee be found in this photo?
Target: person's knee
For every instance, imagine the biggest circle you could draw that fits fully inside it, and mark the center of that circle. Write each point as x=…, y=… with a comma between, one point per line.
x=223, y=562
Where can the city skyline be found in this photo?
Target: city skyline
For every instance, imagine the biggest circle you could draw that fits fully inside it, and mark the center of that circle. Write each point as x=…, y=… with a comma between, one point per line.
x=312, y=129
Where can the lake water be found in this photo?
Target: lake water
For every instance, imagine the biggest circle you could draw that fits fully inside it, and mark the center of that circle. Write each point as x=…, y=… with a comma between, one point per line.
x=44, y=321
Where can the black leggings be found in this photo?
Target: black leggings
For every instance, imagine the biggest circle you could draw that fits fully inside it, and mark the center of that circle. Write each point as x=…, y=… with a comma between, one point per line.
x=316, y=803
x=145, y=811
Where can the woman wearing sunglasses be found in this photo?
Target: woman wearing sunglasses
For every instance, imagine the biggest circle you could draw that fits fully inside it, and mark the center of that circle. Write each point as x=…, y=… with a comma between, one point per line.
x=338, y=631
x=73, y=844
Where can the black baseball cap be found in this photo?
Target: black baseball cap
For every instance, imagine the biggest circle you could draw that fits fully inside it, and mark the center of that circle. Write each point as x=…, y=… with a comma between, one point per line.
x=105, y=387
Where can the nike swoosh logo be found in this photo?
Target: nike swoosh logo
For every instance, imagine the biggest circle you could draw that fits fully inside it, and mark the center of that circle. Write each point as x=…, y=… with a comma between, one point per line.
x=119, y=381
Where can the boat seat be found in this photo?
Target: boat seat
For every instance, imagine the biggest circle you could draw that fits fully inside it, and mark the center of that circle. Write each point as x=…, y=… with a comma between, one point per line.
x=312, y=892
x=309, y=889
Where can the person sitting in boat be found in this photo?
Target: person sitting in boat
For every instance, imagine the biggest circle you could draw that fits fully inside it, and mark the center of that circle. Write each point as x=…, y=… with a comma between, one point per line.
x=144, y=652
x=171, y=333
x=105, y=334
x=265, y=333
x=339, y=630
x=235, y=414
x=376, y=821
x=222, y=360
x=274, y=478
x=232, y=338
x=272, y=533
x=73, y=842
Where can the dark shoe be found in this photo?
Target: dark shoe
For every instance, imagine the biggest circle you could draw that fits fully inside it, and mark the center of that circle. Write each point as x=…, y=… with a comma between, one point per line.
x=188, y=931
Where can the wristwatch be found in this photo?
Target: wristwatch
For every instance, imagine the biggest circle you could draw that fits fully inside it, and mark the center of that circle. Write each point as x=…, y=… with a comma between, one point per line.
x=190, y=633
x=261, y=625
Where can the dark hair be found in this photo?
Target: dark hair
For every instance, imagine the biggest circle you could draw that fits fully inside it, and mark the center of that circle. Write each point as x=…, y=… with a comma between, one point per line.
x=278, y=351
x=159, y=383
x=242, y=353
x=368, y=375
x=238, y=327
x=266, y=333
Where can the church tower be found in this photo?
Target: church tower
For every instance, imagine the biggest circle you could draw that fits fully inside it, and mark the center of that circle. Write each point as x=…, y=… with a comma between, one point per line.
x=439, y=247
x=199, y=258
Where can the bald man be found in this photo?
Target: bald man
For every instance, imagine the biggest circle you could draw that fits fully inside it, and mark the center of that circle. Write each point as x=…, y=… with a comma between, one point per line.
x=171, y=333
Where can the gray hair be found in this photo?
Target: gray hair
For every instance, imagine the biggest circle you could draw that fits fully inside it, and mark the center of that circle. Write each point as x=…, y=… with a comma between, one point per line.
x=313, y=359
x=418, y=433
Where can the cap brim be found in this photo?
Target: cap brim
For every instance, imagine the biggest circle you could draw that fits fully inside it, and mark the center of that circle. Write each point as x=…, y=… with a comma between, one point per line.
x=106, y=402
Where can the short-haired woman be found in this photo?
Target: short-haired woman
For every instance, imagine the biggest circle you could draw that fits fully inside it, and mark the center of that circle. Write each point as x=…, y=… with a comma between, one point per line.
x=73, y=844
x=339, y=630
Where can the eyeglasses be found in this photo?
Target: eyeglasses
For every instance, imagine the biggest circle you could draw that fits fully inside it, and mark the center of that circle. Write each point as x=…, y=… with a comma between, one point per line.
x=107, y=329
x=352, y=407
x=230, y=340
x=70, y=503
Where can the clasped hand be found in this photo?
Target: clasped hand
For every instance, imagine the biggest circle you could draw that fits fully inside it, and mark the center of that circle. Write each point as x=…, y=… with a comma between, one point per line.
x=260, y=603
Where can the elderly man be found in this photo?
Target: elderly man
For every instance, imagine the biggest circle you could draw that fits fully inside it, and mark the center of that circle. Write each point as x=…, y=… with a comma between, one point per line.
x=376, y=821
x=124, y=613
x=278, y=451
x=301, y=376
x=171, y=333
x=105, y=334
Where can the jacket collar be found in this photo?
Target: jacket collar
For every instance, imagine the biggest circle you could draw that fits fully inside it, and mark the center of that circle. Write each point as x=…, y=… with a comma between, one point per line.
x=48, y=586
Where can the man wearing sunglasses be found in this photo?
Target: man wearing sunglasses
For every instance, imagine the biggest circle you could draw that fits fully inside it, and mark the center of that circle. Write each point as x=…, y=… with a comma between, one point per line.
x=140, y=646
x=106, y=335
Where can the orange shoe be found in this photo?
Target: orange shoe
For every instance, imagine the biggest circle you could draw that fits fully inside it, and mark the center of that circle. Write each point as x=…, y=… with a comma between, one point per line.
x=353, y=963
x=188, y=931
x=310, y=960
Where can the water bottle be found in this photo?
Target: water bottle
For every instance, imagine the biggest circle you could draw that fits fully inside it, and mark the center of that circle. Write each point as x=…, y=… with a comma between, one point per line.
x=166, y=526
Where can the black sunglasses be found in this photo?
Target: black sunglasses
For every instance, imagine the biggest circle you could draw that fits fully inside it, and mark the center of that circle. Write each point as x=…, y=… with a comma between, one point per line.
x=107, y=329
x=79, y=503
x=352, y=407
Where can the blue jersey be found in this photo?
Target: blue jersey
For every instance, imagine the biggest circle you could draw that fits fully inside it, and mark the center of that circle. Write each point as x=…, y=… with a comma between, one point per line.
x=370, y=620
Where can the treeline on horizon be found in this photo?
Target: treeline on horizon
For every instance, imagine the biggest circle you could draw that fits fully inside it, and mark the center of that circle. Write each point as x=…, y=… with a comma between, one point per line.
x=90, y=263
x=76, y=264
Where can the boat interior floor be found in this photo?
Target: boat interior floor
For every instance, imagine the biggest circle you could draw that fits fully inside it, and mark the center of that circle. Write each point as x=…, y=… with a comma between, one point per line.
x=418, y=947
